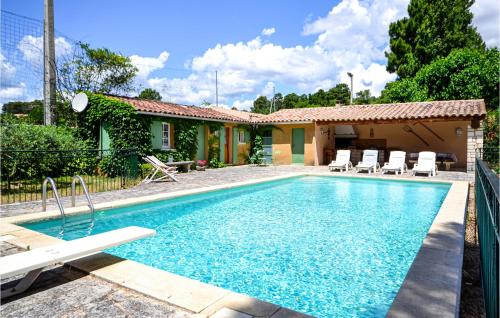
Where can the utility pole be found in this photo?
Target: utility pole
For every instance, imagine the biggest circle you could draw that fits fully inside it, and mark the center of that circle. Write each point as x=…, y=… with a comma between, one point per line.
x=351, y=76
x=49, y=63
x=216, y=90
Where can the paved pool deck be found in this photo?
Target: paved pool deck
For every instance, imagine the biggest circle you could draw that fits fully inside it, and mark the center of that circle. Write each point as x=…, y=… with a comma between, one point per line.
x=210, y=177
x=425, y=292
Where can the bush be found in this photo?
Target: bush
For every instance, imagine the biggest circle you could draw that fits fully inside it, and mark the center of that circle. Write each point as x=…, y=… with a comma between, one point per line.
x=36, y=157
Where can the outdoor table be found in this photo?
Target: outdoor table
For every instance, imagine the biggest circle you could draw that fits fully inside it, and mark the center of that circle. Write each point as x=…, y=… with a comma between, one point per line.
x=184, y=165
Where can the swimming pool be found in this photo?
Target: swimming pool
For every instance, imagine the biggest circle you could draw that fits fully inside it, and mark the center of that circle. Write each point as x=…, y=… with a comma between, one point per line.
x=320, y=245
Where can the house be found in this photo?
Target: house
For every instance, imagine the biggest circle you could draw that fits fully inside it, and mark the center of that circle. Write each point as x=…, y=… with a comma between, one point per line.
x=310, y=136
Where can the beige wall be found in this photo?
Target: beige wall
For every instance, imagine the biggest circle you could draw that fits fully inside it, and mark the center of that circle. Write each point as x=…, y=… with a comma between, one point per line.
x=396, y=137
x=282, y=144
x=323, y=141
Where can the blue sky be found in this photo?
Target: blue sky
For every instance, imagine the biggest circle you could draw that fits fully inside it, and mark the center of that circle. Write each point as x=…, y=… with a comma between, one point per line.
x=295, y=45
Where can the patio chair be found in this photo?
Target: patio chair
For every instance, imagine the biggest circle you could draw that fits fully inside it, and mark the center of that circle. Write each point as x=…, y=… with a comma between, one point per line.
x=369, y=161
x=426, y=163
x=396, y=163
x=342, y=161
x=34, y=261
x=159, y=167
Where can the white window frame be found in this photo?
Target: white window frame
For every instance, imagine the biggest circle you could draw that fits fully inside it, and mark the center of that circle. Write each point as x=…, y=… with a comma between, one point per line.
x=241, y=137
x=165, y=142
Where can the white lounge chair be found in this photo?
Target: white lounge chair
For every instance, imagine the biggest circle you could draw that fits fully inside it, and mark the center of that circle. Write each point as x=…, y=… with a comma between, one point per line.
x=369, y=161
x=396, y=162
x=34, y=261
x=158, y=166
x=426, y=163
x=342, y=161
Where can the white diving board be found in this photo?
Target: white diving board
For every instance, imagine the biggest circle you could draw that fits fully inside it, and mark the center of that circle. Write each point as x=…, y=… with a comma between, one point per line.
x=33, y=262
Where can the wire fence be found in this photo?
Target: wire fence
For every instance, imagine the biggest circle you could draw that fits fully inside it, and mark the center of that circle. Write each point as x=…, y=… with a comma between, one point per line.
x=21, y=56
x=23, y=171
x=488, y=217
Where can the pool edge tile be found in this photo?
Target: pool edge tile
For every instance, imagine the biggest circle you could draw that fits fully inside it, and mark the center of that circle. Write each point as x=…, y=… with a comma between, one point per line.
x=432, y=285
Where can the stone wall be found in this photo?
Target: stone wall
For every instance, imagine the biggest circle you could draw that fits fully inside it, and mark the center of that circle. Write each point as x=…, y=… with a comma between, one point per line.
x=474, y=146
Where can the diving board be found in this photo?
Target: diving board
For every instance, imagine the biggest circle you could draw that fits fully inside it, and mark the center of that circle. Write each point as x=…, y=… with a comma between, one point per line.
x=34, y=261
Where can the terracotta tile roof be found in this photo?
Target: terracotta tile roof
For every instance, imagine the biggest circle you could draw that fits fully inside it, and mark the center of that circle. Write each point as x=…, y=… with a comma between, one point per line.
x=357, y=113
x=402, y=111
x=246, y=116
x=158, y=107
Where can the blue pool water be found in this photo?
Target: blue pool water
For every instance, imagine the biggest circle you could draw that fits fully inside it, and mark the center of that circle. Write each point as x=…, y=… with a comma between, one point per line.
x=329, y=247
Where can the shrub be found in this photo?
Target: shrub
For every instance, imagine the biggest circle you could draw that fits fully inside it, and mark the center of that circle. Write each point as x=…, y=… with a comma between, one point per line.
x=28, y=151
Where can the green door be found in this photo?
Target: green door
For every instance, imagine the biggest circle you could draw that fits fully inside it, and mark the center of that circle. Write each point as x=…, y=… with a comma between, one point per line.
x=298, y=145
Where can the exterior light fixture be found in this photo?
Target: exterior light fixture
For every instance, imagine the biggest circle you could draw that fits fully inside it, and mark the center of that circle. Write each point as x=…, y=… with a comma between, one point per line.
x=458, y=131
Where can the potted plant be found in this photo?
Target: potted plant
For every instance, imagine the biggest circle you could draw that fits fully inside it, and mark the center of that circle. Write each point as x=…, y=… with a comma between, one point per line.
x=201, y=164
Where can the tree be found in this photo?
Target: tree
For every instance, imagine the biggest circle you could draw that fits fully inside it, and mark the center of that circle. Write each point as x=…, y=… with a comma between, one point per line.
x=21, y=107
x=95, y=70
x=339, y=94
x=261, y=105
x=364, y=97
x=464, y=74
x=290, y=100
x=432, y=30
x=149, y=94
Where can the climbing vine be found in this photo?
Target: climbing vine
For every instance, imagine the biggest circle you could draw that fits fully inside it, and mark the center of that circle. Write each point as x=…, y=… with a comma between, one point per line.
x=126, y=128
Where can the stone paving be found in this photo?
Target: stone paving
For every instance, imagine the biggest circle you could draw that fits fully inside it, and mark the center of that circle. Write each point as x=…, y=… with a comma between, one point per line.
x=199, y=179
x=67, y=292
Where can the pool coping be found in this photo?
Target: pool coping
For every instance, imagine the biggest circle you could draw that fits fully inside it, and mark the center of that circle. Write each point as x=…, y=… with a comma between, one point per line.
x=431, y=287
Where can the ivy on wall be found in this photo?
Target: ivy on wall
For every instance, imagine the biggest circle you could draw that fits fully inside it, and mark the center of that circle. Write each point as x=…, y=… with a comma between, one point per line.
x=126, y=128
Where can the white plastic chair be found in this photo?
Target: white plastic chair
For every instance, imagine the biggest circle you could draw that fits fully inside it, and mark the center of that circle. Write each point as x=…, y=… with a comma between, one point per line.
x=342, y=161
x=369, y=161
x=396, y=162
x=426, y=163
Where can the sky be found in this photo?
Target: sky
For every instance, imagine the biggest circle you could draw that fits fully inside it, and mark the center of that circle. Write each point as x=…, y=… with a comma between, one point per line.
x=255, y=46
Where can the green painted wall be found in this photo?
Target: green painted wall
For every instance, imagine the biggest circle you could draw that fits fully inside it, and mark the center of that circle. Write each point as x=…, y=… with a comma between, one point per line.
x=104, y=140
x=222, y=140
x=156, y=132
x=235, y=145
x=200, y=153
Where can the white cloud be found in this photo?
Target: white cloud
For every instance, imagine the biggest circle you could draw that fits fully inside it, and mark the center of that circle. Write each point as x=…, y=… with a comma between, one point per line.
x=243, y=104
x=146, y=65
x=351, y=37
x=487, y=19
x=12, y=92
x=7, y=70
x=268, y=31
x=32, y=48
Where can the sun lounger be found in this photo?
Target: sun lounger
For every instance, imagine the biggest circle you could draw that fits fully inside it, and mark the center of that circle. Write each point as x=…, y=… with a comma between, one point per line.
x=369, y=161
x=34, y=261
x=396, y=162
x=426, y=163
x=159, y=167
x=342, y=161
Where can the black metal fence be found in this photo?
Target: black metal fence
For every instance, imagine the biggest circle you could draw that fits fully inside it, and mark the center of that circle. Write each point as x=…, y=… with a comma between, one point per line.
x=23, y=171
x=487, y=206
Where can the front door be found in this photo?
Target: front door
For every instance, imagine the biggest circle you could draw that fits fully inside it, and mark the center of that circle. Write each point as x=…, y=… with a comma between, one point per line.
x=298, y=145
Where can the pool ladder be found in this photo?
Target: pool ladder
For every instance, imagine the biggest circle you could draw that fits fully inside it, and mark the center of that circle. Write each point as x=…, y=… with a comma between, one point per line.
x=73, y=200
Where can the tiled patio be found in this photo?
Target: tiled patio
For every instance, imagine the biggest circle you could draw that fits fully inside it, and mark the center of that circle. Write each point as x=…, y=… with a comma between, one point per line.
x=210, y=177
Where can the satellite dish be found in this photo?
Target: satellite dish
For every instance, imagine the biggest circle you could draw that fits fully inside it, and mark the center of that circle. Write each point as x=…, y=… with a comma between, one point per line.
x=79, y=102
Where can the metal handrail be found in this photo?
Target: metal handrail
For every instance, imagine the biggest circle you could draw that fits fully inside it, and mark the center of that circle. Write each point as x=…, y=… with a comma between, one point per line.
x=56, y=196
x=87, y=195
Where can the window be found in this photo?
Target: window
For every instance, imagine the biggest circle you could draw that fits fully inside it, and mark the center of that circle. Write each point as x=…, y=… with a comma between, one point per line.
x=165, y=136
x=241, y=137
